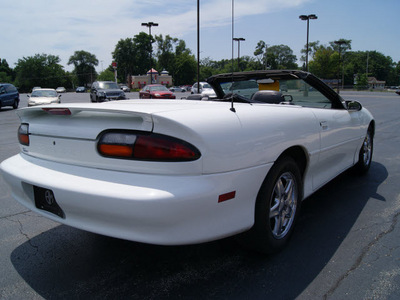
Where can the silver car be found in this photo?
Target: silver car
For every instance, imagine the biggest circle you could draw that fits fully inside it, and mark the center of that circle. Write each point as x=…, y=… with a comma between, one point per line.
x=204, y=89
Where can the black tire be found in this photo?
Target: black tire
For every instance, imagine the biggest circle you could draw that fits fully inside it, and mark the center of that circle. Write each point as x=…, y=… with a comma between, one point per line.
x=365, y=155
x=16, y=103
x=277, y=207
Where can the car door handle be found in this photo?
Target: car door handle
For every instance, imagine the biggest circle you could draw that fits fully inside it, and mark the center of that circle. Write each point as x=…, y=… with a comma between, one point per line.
x=324, y=125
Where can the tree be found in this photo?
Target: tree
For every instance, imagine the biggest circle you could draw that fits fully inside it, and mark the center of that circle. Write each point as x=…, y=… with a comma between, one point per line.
x=84, y=63
x=274, y=57
x=281, y=57
x=260, y=53
x=6, y=73
x=361, y=81
x=125, y=57
x=325, y=63
x=107, y=75
x=173, y=56
x=40, y=70
x=165, y=53
x=312, y=48
x=143, y=44
x=185, y=69
x=342, y=44
x=132, y=56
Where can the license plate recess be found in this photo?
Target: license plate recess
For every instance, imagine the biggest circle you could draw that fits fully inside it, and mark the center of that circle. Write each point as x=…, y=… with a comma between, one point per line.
x=45, y=200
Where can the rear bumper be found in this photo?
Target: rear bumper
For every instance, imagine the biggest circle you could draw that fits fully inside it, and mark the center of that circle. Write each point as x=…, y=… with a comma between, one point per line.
x=157, y=209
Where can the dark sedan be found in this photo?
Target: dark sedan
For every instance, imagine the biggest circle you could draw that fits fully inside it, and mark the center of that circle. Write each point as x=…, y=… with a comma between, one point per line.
x=80, y=89
x=156, y=91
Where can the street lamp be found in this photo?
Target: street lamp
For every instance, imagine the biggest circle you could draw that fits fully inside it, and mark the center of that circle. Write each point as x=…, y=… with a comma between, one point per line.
x=150, y=24
x=239, y=40
x=340, y=43
x=307, y=18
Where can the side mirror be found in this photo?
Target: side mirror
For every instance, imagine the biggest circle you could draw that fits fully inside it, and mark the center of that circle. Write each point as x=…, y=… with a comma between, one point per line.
x=28, y=96
x=353, y=105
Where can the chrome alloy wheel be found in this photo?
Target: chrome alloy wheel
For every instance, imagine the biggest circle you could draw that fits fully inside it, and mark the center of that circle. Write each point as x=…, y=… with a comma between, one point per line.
x=283, y=205
x=367, y=149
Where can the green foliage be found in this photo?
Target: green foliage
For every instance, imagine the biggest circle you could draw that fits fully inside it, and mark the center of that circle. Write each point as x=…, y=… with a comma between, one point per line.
x=106, y=75
x=6, y=73
x=84, y=63
x=361, y=81
x=281, y=57
x=132, y=56
x=325, y=63
x=273, y=57
x=312, y=48
x=173, y=56
x=40, y=70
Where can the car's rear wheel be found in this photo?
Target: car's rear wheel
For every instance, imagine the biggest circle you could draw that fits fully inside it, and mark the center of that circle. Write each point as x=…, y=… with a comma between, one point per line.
x=277, y=207
x=365, y=155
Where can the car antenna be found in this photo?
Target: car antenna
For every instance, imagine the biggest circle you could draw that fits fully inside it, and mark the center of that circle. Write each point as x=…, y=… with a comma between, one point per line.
x=233, y=31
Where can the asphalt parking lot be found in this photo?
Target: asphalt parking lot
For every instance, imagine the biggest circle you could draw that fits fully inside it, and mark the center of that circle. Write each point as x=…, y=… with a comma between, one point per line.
x=346, y=244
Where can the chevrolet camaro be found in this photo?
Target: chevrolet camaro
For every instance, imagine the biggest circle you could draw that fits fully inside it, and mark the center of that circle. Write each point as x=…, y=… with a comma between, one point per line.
x=191, y=170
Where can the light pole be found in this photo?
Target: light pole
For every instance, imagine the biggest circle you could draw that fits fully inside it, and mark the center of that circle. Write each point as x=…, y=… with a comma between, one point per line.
x=340, y=43
x=239, y=40
x=150, y=24
x=307, y=18
x=198, y=46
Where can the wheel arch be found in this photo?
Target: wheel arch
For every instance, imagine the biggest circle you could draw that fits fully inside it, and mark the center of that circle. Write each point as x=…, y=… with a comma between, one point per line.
x=372, y=127
x=299, y=155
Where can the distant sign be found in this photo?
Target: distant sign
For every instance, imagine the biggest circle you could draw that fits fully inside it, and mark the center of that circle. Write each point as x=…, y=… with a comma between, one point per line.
x=114, y=64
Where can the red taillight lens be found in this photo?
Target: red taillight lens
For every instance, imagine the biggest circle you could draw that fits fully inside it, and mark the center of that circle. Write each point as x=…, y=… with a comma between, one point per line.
x=23, y=134
x=58, y=111
x=157, y=147
x=144, y=146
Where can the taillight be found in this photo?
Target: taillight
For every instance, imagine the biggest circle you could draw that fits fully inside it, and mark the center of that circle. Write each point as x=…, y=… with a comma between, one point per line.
x=61, y=111
x=23, y=134
x=145, y=146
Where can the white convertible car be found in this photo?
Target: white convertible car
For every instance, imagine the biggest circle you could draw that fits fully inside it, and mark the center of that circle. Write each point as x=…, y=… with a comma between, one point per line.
x=189, y=171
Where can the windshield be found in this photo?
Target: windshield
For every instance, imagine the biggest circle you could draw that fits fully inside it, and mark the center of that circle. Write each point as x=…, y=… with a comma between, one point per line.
x=275, y=90
x=158, y=88
x=108, y=85
x=44, y=93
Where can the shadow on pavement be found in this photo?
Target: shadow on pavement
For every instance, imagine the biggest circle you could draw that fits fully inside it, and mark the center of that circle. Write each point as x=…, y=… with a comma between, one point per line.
x=68, y=263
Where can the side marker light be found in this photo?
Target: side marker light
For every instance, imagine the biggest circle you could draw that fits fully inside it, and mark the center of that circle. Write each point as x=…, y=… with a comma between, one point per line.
x=226, y=197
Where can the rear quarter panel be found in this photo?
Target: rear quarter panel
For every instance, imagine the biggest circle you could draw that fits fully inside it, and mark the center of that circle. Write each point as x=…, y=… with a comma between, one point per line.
x=254, y=135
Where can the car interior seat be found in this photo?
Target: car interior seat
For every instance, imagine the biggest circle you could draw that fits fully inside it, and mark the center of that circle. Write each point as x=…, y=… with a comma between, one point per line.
x=268, y=96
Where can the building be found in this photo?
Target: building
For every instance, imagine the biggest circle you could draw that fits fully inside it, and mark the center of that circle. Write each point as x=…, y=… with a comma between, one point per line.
x=139, y=81
x=373, y=83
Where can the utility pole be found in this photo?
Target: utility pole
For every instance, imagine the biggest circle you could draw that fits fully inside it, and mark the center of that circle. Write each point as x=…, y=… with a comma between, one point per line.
x=149, y=25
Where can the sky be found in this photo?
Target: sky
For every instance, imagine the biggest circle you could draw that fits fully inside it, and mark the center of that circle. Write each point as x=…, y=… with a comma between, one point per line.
x=62, y=27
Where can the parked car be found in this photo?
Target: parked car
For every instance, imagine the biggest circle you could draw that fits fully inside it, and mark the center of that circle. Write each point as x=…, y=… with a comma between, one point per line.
x=43, y=96
x=80, y=89
x=204, y=89
x=175, y=89
x=125, y=88
x=105, y=91
x=35, y=88
x=9, y=95
x=61, y=89
x=398, y=92
x=156, y=91
x=183, y=172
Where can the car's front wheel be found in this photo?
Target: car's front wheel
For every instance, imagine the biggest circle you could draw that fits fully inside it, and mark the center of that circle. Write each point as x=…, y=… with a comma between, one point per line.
x=365, y=155
x=277, y=206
